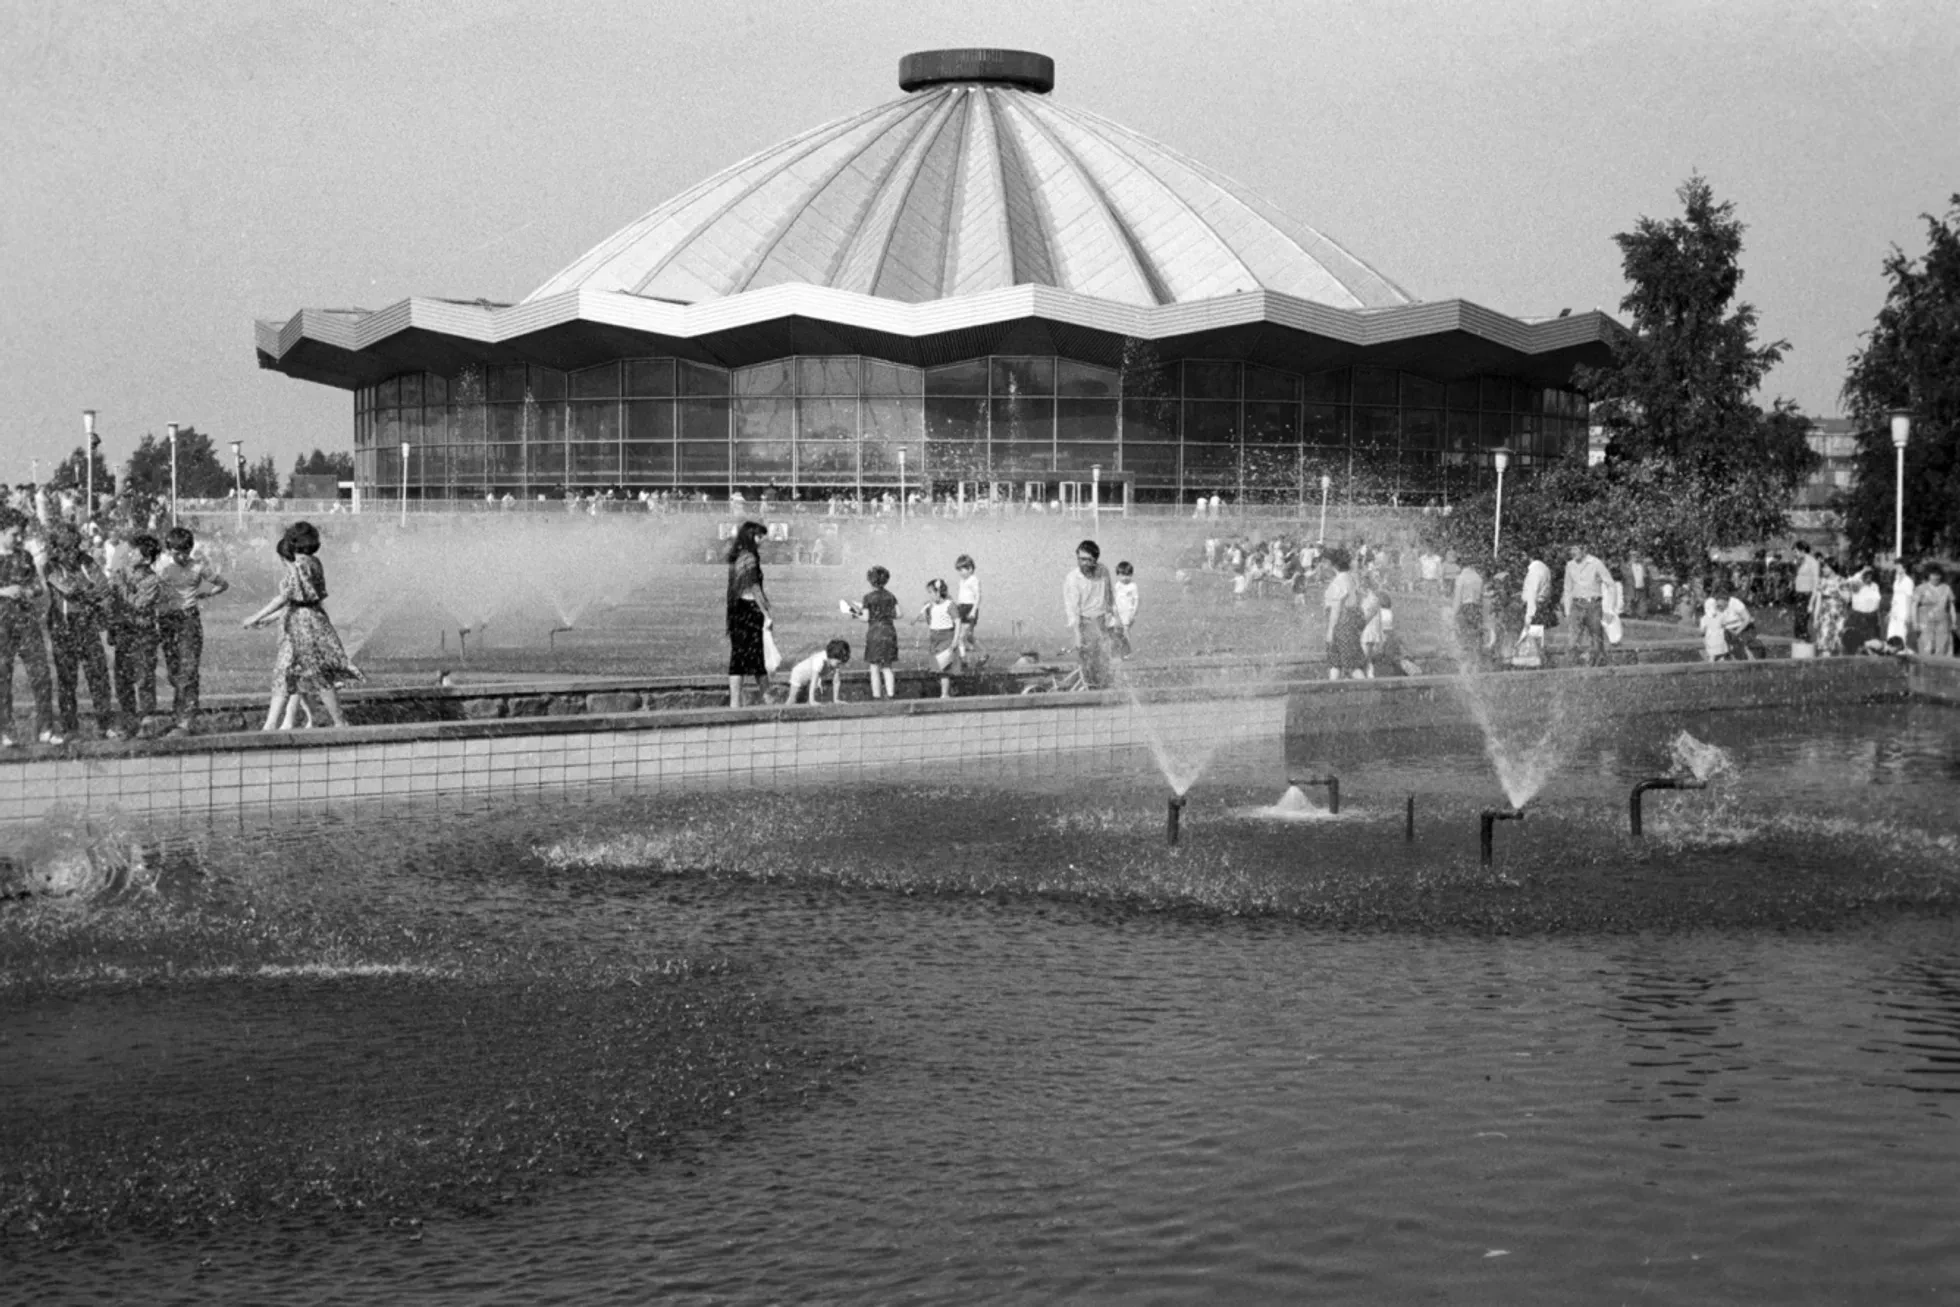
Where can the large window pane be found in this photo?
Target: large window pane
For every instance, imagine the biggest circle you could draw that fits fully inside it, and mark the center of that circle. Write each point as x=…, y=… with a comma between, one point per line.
x=892, y=379
x=411, y=389
x=763, y=460
x=819, y=375
x=1496, y=394
x=700, y=379
x=592, y=460
x=774, y=378
x=431, y=467
x=468, y=424
x=956, y=432
x=1272, y=473
x=1461, y=437
x=1024, y=421
x=1463, y=394
x=1327, y=387
x=546, y=465
x=968, y=378
x=1376, y=386
x=1085, y=420
x=891, y=425
x=1084, y=381
x=1080, y=456
x=505, y=462
x=651, y=378
x=1029, y=376
x=1266, y=384
x=1496, y=429
x=827, y=460
x=601, y=382
x=466, y=465
x=1271, y=424
x=1211, y=424
x=1422, y=428
x=1157, y=463
x=704, y=461
x=387, y=427
x=828, y=419
x=649, y=419
x=650, y=462
x=1212, y=466
x=595, y=422
x=1150, y=419
x=1420, y=392
x=506, y=383
x=1324, y=424
x=547, y=384
x=1374, y=428
x=704, y=419
x=1204, y=380
x=1018, y=459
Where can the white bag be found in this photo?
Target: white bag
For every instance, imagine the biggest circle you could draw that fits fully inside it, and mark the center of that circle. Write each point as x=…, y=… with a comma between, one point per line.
x=1614, y=631
x=772, y=657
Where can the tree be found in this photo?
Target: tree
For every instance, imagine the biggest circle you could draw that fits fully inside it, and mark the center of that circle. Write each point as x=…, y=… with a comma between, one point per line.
x=72, y=473
x=201, y=474
x=1911, y=360
x=1693, y=461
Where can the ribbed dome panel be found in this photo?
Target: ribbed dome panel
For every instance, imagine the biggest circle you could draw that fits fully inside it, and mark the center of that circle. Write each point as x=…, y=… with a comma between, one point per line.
x=964, y=188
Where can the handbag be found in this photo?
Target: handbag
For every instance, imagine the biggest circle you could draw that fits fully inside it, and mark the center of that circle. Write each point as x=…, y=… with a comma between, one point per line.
x=772, y=657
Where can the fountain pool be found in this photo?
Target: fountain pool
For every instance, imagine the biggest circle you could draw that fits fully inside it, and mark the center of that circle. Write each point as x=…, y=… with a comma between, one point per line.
x=978, y=1035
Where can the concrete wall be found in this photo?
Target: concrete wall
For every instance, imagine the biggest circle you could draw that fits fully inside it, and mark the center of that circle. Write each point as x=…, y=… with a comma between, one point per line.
x=199, y=777
x=1934, y=679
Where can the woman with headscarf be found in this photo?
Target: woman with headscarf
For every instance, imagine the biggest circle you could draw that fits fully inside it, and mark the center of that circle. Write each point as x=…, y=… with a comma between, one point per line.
x=1345, y=621
x=748, y=612
x=1827, y=609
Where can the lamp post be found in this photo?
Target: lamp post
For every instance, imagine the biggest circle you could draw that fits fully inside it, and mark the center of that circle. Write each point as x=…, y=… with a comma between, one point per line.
x=1095, y=499
x=238, y=478
x=1502, y=457
x=172, y=430
x=1326, y=484
x=901, y=487
x=88, y=463
x=1901, y=432
x=404, y=483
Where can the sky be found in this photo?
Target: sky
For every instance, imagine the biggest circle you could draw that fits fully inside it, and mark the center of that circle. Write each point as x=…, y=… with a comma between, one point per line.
x=175, y=169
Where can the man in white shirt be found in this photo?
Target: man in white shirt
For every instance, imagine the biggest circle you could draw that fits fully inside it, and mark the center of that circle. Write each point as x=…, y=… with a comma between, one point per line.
x=1536, y=592
x=1586, y=579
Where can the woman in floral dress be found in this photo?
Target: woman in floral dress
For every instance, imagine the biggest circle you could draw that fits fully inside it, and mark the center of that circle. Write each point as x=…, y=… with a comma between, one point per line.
x=311, y=658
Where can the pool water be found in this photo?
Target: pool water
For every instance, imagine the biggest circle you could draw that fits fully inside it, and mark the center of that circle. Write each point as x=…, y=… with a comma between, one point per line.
x=978, y=1034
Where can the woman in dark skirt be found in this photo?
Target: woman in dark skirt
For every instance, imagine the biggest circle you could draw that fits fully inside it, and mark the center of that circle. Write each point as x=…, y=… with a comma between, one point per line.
x=1344, y=620
x=748, y=612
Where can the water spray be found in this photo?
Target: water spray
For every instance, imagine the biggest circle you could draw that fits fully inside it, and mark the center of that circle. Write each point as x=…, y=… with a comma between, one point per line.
x=1174, y=811
x=1333, y=784
x=1656, y=783
x=1489, y=818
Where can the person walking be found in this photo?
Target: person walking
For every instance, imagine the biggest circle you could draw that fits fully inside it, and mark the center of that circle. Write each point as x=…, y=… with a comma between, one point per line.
x=942, y=621
x=311, y=658
x=1345, y=620
x=1089, y=605
x=1586, y=579
x=968, y=602
x=1124, y=595
x=1470, y=612
x=747, y=612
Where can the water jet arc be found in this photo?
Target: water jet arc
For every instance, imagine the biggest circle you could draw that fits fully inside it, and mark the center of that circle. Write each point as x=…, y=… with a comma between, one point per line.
x=1489, y=818
x=1333, y=784
x=1656, y=783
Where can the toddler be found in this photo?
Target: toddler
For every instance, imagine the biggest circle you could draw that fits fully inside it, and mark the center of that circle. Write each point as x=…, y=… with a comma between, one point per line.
x=806, y=678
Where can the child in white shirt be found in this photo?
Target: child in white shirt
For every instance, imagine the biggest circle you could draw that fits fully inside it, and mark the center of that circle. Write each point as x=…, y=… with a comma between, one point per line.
x=1126, y=601
x=1714, y=637
x=967, y=602
x=807, y=676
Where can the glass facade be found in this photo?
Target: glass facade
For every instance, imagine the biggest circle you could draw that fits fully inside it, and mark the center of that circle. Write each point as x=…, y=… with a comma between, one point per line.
x=825, y=424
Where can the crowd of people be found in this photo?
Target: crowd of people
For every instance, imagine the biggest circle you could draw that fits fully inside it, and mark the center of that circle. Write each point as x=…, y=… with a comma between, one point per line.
x=94, y=601
x=1099, y=607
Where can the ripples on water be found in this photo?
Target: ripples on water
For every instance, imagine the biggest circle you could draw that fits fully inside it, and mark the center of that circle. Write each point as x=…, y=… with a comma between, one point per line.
x=986, y=1038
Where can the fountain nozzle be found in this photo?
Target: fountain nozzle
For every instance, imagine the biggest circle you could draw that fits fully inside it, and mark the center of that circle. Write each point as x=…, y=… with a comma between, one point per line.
x=1333, y=784
x=1655, y=783
x=1487, y=820
x=551, y=638
x=1174, y=811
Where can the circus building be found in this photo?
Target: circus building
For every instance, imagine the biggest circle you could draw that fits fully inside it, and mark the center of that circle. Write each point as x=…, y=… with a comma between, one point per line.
x=976, y=290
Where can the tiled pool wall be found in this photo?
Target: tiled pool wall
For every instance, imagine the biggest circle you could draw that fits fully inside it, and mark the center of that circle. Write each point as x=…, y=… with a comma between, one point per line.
x=243, y=773
x=723, y=748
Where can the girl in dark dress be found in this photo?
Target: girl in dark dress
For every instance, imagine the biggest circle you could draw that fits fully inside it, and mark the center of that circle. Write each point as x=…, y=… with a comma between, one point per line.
x=748, y=612
x=880, y=613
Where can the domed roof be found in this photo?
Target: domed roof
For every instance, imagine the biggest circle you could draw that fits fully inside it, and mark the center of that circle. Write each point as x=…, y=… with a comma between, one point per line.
x=974, y=181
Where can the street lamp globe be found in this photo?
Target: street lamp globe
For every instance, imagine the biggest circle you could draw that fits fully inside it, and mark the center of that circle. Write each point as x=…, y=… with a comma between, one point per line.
x=1901, y=428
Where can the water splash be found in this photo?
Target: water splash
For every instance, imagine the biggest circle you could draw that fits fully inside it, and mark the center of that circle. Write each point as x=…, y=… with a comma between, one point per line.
x=1528, y=729
x=1700, y=759
x=1294, y=805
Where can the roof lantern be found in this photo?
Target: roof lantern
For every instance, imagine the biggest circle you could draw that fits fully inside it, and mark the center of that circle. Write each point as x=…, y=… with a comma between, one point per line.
x=1023, y=68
